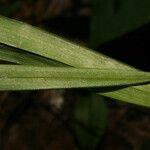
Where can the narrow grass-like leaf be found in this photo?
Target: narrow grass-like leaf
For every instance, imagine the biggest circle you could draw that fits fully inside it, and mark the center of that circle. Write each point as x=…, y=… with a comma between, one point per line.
x=23, y=36
x=21, y=57
x=16, y=77
x=139, y=94
x=26, y=37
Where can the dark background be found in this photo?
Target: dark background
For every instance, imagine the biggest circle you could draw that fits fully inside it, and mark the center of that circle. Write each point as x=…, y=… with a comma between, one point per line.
x=32, y=120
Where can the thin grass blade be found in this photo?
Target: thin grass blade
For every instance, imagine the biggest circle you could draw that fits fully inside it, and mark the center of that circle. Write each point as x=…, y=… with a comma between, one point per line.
x=23, y=36
x=140, y=95
x=21, y=57
x=31, y=39
x=16, y=77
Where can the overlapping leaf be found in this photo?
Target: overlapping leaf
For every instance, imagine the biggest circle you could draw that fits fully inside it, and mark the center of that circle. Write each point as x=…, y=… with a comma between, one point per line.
x=22, y=36
x=13, y=55
x=16, y=77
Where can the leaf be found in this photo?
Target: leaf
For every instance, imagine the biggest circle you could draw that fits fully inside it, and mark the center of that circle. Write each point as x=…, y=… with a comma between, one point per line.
x=23, y=36
x=26, y=37
x=113, y=18
x=138, y=95
x=16, y=77
x=21, y=57
x=90, y=120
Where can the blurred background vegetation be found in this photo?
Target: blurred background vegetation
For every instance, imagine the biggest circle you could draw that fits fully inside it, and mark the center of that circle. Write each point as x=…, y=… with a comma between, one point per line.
x=78, y=119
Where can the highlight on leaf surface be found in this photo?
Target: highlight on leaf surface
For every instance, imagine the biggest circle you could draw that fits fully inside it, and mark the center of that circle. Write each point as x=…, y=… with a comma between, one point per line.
x=14, y=77
x=21, y=57
x=35, y=47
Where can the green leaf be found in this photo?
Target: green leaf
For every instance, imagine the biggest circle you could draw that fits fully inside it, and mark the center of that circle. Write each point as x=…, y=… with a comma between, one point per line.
x=16, y=77
x=21, y=57
x=26, y=37
x=23, y=36
x=138, y=95
x=113, y=18
x=90, y=120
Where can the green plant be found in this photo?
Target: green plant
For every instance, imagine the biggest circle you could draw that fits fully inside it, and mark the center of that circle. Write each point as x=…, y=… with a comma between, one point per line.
x=75, y=67
x=114, y=18
x=45, y=61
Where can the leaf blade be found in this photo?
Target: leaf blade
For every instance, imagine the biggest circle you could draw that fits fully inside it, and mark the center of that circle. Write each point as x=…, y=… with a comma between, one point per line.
x=139, y=95
x=16, y=77
x=21, y=57
x=26, y=37
x=23, y=36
